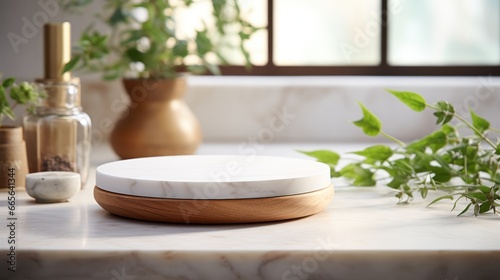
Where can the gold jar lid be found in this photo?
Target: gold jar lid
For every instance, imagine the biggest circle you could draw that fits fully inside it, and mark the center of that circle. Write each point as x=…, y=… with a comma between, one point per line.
x=57, y=50
x=63, y=91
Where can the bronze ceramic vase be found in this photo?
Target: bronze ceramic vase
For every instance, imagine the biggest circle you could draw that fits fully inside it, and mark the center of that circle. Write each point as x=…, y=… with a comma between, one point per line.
x=157, y=121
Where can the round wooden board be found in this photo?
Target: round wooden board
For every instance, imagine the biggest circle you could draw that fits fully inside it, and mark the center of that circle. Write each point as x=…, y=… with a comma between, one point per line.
x=216, y=211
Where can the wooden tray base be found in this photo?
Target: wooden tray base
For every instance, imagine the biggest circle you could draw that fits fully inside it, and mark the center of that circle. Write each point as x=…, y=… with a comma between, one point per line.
x=216, y=211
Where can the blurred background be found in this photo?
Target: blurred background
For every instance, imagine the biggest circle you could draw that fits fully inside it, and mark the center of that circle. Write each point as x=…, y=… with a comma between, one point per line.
x=305, y=33
x=306, y=38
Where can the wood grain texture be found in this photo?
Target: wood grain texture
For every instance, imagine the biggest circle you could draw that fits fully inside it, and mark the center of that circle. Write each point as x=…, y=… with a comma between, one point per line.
x=217, y=211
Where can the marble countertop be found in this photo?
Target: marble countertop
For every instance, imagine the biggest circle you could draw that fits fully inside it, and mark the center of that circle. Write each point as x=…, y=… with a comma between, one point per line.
x=363, y=234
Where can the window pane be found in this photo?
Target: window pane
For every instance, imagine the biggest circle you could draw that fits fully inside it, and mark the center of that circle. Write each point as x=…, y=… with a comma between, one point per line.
x=444, y=32
x=326, y=32
x=255, y=11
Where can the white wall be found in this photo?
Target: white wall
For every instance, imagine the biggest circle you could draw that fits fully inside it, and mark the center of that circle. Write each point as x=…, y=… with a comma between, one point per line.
x=25, y=18
x=241, y=108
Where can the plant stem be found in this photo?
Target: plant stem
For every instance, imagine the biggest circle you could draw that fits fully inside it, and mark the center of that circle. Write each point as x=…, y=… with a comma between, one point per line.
x=476, y=131
x=399, y=142
x=471, y=126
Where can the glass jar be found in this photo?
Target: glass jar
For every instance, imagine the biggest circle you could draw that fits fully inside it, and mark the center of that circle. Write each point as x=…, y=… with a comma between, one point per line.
x=57, y=132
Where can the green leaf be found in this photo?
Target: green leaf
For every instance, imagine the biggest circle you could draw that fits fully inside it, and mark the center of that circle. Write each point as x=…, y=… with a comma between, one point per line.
x=8, y=82
x=448, y=196
x=156, y=35
x=244, y=36
x=134, y=35
x=369, y=123
x=135, y=55
x=403, y=167
x=23, y=93
x=445, y=112
x=413, y=100
x=17, y=94
x=118, y=16
x=493, y=190
x=361, y=176
x=8, y=112
x=441, y=175
x=496, y=178
x=324, y=156
x=203, y=43
x=485, y=207
x=72, y=4
x=111, y=75
x=181, y=48
x=423, y=192
x=434, y=141
x=465, y=210
x=479, y=123
x=476, y=209
x=3, y=97
x=421, y=161
x=442, y=161
x=397, y=182
x=447, y=129
x=471, y=152
x=218, y=5
x=377, y=152
x=71, y=64
x=476, y=196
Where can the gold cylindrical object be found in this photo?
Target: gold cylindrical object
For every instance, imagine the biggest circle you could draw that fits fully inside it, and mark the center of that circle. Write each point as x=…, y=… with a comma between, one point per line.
x=57, y=51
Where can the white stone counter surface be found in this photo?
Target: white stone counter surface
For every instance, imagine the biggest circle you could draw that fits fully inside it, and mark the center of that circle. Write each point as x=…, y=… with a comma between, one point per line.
x=363, y=234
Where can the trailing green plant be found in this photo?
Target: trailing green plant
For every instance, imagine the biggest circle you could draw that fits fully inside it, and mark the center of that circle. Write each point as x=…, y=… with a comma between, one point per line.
x=151, y=45
x=464, y=166
x=21, y=94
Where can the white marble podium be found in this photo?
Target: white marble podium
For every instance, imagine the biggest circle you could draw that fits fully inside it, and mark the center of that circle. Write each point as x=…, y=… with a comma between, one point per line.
x=213, y=176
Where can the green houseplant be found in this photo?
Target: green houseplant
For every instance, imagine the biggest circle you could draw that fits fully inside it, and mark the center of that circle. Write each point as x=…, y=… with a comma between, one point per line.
x=13, y=160
x=146, y=47
x=458, y=160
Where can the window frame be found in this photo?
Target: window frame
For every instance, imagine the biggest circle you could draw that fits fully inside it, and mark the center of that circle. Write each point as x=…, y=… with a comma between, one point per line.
x=383, y=69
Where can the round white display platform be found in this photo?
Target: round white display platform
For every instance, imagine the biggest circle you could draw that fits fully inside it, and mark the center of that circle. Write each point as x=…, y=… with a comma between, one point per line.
x=213, y=177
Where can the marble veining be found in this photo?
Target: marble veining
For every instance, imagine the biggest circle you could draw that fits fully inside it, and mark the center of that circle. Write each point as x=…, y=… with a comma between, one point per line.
x=213, y=177
x=256, y=265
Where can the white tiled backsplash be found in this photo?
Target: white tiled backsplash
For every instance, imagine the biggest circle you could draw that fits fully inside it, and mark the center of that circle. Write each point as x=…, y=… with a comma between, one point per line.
x=304, y=109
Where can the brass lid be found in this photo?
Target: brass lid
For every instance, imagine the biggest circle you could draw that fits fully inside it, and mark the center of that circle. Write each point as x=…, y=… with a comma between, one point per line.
x=57, y=50
x=62, y=90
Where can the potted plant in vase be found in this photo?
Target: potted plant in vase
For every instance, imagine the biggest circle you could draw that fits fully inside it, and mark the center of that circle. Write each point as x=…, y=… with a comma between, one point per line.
x=146, y=48
x=13, y=159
